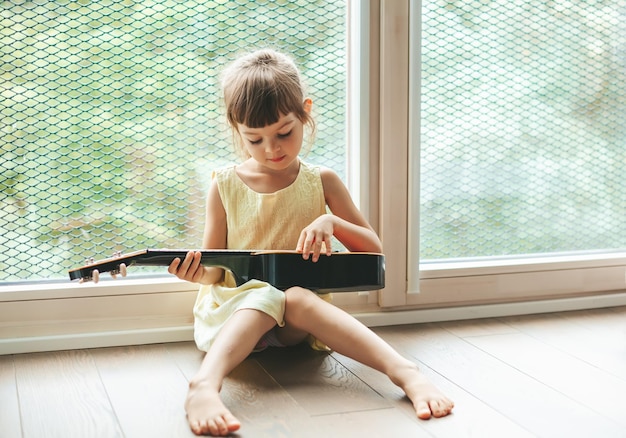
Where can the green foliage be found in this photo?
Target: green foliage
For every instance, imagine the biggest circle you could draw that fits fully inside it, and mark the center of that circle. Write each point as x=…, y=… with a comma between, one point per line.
x=523, y=136
x=111, y=119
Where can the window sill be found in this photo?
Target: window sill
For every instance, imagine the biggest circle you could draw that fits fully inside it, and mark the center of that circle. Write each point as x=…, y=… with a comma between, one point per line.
x=64, y=315
x=58, y=290
x=494, y=281
x=510, y=265
x=53, y=316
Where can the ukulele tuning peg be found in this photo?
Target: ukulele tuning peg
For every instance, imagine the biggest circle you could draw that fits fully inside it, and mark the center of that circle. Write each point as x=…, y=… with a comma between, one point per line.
x=94, y=276
x=120, y=270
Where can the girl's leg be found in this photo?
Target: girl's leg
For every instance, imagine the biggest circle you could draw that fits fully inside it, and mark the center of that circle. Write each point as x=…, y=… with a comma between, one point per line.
x=307, y=313
x=205, y=411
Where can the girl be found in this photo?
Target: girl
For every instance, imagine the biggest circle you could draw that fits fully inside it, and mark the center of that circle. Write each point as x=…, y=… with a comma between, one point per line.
x=273, y=200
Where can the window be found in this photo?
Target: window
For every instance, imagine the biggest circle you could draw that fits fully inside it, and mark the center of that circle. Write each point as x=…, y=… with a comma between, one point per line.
x=523, y=142
x=500, y=131
x=111, y=125
x=111, y=120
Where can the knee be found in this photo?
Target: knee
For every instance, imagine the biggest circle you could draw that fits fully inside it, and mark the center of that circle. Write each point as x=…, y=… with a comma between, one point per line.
x=299, y=296
x=298, y=302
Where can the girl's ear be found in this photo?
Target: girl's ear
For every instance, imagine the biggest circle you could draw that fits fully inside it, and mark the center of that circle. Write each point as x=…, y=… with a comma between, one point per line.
x=308, y=103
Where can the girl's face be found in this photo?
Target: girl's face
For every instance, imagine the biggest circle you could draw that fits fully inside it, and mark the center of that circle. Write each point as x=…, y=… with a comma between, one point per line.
x=275, y=146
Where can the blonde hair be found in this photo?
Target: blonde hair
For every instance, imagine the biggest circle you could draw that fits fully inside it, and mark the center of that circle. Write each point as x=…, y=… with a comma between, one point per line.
x=260, y=87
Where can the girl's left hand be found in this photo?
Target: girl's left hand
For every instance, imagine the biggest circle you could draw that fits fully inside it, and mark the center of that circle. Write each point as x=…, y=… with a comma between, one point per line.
x=316, y=237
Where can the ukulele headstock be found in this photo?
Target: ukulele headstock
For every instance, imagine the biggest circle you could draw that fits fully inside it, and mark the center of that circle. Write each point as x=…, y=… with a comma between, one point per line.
x=91, y=270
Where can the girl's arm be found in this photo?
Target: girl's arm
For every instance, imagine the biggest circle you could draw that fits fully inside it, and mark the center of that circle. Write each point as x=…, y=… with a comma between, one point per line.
x=346, y=223
x=215, y=229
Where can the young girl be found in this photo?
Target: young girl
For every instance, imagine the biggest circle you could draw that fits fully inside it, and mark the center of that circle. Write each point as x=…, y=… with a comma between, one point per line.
x=273, y=200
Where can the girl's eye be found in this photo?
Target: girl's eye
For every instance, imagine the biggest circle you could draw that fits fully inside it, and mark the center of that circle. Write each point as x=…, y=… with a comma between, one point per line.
x=254, y=141
x=284, y=135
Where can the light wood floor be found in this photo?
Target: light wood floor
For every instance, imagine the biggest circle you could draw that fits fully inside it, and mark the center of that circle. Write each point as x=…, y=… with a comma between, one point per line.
x=553, y=375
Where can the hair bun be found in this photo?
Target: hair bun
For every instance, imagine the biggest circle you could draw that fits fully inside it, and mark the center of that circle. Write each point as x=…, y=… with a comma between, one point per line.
x=265, y=57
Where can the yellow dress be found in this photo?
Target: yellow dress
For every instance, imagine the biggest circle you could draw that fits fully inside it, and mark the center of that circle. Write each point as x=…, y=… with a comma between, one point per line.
x=257, y=221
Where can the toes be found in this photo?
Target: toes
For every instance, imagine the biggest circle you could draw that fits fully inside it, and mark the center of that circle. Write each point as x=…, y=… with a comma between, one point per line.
x=226, y=424
x=438, y=409
x=215, y=427
x=199, y=427
x=423, y=410
x=441, y=408
x=232, y=424
x=433, y=408
x=195, y=427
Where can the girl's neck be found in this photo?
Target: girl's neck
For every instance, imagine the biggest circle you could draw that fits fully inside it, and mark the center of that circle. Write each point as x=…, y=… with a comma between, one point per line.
x=264, y=179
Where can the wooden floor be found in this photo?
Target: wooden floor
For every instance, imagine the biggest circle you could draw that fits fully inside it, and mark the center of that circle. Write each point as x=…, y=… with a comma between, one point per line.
x=553, y=375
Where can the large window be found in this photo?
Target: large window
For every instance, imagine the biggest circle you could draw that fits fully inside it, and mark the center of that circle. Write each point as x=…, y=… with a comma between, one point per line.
x=111, y=121
x=489, y=134
x=523, y=140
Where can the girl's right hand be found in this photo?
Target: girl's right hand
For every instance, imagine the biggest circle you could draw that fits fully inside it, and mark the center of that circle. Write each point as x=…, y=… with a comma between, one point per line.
x=315, y=238
x=190, y=269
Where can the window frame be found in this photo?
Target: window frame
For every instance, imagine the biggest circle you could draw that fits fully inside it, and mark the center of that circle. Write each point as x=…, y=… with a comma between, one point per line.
x=580, y=276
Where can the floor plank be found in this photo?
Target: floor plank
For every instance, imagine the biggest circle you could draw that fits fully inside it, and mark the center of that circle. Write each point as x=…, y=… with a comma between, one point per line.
x=601, y=345
x=146, y=389
x=10, y=424
x=594, y=388
x=540, y=409
x=471, y=417
x=319, y=383
x=61, y=395
x=263, y=407
x=363, y=424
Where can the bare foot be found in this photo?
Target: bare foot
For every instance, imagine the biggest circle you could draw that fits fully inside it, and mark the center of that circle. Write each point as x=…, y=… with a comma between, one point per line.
x=426, y=398
x=206, y=413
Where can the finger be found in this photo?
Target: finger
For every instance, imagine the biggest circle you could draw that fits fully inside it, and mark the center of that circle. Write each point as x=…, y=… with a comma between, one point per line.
x=184, y=266
x=196, y=267
x=300, y=243
x=304, y=244
x=173, y=268
x=195, y=259
x=328, y=244
x=306, y=247
x=313, y=248
x=317, y=249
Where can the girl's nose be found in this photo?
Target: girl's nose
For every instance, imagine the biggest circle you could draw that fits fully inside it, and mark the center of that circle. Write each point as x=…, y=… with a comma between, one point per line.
x=272, y=145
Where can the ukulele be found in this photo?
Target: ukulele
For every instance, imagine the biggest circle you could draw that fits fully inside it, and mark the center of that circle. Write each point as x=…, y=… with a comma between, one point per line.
x=339, y=272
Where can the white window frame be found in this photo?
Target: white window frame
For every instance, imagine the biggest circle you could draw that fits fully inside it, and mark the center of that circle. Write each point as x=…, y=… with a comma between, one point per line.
x=579, y=280
x=384, y=178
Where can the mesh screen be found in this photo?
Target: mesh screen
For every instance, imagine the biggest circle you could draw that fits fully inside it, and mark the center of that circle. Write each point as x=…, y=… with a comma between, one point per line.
x=111, y=121
x=523, y=127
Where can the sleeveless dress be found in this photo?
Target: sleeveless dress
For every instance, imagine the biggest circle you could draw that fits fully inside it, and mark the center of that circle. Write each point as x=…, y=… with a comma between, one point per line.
x=257, y=221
